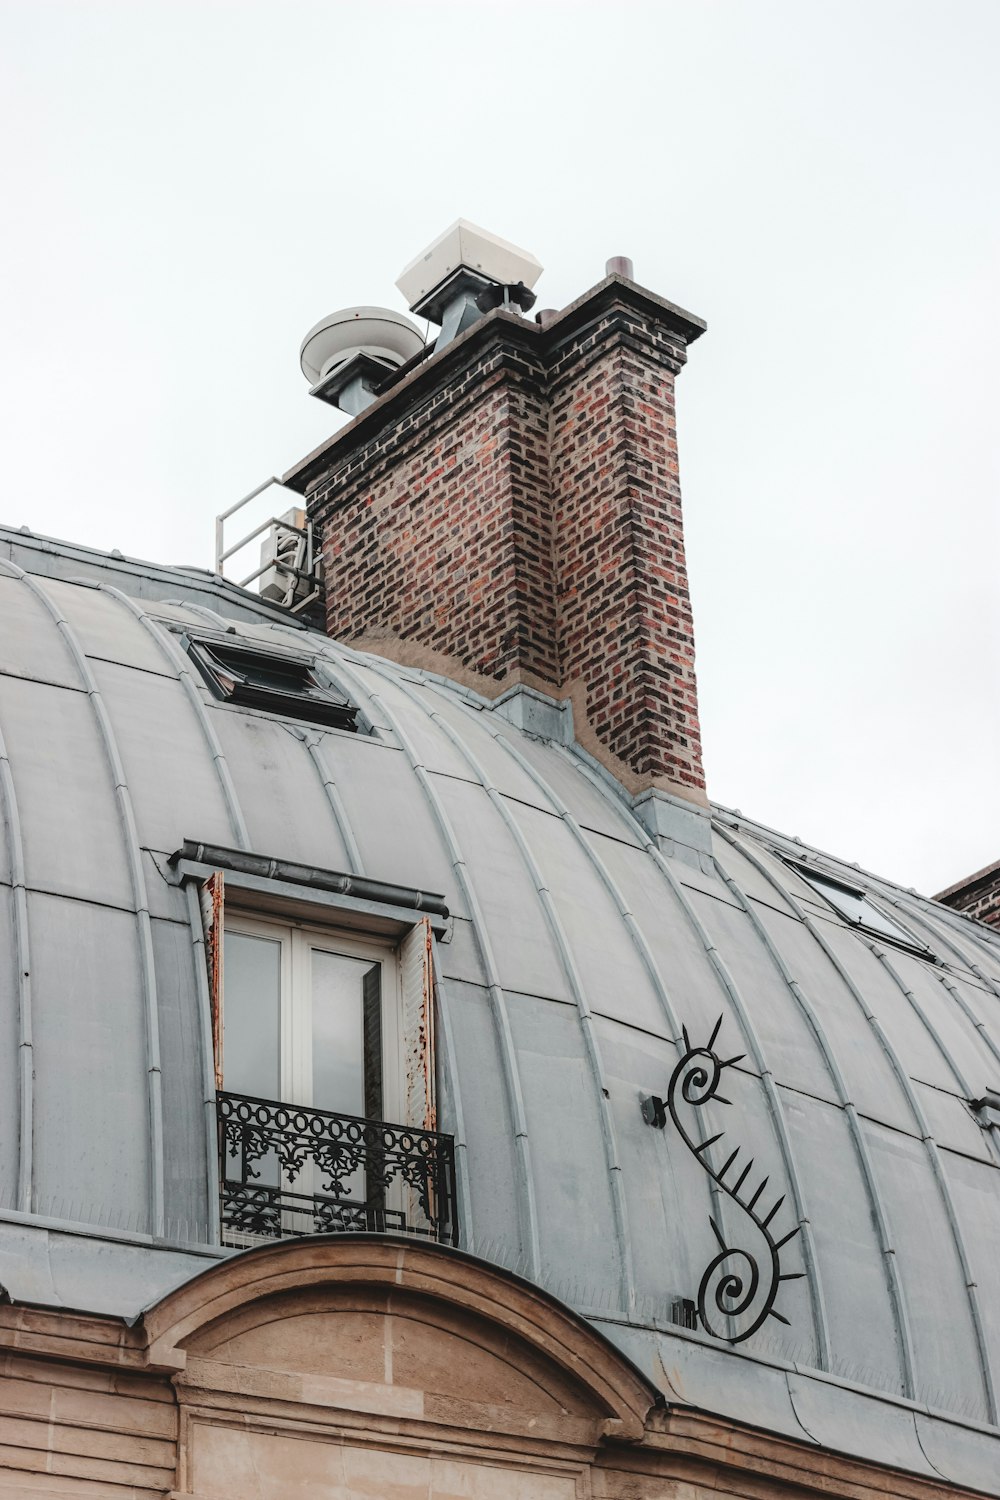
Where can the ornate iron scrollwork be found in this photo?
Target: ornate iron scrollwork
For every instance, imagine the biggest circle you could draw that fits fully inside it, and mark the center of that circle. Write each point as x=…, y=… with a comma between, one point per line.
x=285, y=1170
x=737, y=1285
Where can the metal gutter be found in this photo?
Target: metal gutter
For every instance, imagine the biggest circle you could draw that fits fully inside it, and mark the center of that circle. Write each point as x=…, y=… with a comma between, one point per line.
x=287, y=871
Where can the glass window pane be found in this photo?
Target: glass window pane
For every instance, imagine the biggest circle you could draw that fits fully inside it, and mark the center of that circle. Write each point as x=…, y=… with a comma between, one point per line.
x=338, y=1031
x=851, y=905
x=857, y=908
x=251, y=1015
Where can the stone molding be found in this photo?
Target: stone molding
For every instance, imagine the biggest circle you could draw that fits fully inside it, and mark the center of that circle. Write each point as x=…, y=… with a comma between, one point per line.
x=352, y=1366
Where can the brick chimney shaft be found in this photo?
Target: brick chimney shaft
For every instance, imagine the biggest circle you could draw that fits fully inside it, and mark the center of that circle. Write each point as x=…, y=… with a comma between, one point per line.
x=510, y=512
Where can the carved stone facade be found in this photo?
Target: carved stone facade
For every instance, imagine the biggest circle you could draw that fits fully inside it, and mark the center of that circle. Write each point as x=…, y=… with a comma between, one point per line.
x=359, y=1367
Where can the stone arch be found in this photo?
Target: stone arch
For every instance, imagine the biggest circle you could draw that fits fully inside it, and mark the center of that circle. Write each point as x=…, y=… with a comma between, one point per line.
x=368, y=1353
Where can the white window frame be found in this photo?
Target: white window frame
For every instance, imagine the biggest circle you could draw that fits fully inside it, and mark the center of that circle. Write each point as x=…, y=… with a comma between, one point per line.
x=827, y=886
x=297, y=940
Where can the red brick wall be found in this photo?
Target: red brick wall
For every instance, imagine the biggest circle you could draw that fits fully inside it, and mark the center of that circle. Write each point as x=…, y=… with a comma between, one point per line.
x=438, y=530
x=978, y=897
x=625, y=625
x=511, y=513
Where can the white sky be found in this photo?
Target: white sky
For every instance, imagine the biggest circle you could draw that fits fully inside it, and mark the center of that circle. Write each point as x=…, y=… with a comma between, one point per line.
x=187, y=187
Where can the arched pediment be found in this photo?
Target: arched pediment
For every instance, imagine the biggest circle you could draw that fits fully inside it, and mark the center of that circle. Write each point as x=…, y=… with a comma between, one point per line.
x=397, y=1326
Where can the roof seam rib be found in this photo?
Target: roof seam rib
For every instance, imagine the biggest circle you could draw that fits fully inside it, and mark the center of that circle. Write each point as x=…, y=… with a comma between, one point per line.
x=732, y=992
x=717, y=1198
x=527, y=1211
x=899, y=1300
x=933, y=923
x=176, y=657
x=22, y=957
x=338, y=807
x=829, y=1056
x=585, y=1016
x=217, y=621
x=134, y=858
x=937, y=1167
x=978, y=1026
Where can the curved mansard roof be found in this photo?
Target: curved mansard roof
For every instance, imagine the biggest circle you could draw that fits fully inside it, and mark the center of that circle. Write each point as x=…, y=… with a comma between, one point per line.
x=581, y=947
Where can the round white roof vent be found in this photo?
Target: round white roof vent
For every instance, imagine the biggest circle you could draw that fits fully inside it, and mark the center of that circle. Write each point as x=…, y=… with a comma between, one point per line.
x=379, y=332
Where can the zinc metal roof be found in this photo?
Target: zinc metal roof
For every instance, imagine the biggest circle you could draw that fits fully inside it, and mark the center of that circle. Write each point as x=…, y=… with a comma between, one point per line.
x=582, y=947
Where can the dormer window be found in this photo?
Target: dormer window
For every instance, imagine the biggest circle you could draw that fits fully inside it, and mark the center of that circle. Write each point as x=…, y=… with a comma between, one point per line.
x=279, y=682
x=320, y=1008
x=311, y=1058
x=857, y=908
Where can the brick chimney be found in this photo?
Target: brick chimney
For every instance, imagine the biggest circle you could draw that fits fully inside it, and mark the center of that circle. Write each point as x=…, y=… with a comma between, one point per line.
x=977, y=895
x=508, y=512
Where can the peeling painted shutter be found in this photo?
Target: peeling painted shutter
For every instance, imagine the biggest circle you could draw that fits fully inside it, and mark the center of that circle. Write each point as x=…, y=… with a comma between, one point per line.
x=371, y=1000
x=418, y=1027
x=211, y=897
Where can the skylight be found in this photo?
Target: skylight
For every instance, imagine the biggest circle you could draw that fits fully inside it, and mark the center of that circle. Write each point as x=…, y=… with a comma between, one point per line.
x=857, y=908
x=284, y=684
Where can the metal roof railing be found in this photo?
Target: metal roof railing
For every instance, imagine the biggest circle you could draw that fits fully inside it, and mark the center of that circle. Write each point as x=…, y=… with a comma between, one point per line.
x=300, y=569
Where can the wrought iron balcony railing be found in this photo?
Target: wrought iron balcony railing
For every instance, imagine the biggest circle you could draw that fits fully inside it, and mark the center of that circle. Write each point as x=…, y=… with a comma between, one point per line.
x=289, y=1170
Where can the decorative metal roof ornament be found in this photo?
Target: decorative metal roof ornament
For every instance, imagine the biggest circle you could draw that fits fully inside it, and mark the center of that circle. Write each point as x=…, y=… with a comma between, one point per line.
x=737, y=1285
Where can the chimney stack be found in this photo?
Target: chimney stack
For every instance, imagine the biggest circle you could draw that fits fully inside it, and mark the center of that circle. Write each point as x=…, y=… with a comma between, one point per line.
x=508, y=512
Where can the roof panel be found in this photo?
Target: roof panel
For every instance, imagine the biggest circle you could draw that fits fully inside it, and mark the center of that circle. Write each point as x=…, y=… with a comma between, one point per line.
x=575, y=1210
x=97, y=620
x=477, y=729
x=856, y=1282
x=33, y=647
x=171, y=776
x=947, y=1365
x=646, y=940
x=869, y=1079
x=280, y=785
x=610, y=972
x=489, y=1129
x=394, y=822
x=510, y=906
x=91, y=1137
x=786, y=1036
x=73, y=841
